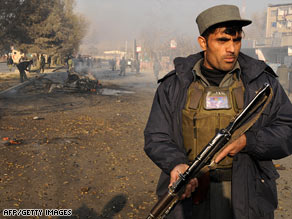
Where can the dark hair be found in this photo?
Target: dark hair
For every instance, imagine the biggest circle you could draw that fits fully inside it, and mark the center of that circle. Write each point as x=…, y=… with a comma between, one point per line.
x=231, y=29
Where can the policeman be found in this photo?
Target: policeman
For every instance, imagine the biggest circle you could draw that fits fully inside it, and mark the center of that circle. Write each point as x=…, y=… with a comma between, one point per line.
x=70, y=65
x=200, y=97
x=22, y=67
x=156, y=68
x=123, y=66
x=42, y=63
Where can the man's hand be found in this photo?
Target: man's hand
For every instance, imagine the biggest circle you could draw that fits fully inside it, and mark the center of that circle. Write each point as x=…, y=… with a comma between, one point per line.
x=192, y=184
x=232, y=149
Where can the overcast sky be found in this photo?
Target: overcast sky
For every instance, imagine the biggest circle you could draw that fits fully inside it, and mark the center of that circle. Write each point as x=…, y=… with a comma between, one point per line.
x=125, y=19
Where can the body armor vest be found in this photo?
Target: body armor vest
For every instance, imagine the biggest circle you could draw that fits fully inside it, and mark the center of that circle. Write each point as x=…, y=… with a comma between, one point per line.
x=207, y=110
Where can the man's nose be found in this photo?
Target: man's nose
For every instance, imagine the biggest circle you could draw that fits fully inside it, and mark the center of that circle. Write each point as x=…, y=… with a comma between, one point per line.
x=231, y=46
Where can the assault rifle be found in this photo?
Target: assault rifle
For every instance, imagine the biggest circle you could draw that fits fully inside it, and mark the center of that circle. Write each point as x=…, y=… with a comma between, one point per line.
x=243, y=120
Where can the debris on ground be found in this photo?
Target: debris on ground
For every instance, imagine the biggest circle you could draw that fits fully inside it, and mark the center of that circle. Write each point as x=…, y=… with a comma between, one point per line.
x=38, y=118
x=279, y=167
x=74, y=82
x=7, y=141
x=113, y=92
x=77, y=83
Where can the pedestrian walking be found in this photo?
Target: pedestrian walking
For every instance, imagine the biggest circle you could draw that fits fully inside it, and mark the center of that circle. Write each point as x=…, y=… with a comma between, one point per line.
x=112, y=63
x=49, y=61
x=9, y=62
x=42, y=63
x=123, y=65
x=70, y=65
x=156, y=68
x=137, y=66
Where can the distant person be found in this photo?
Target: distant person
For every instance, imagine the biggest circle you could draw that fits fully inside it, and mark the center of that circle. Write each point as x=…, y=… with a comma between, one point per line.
x=22, y=67
x=98, y=63
x=35, y=60
x=123, y=65
x=42, y=64
x=49, y=61
x=70, y=64
x=113, y=64
x=88, y=62
x=10, y=62
x=156, y=68
x=137, y=66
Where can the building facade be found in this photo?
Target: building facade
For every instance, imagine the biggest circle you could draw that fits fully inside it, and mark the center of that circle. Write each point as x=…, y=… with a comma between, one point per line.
x=279, y=25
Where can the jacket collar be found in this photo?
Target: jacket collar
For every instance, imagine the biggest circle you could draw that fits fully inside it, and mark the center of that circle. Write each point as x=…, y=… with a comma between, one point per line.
x=253, y=68
x=184, y=67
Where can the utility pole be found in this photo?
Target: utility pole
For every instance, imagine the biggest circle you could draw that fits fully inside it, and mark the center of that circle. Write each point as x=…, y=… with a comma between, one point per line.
x=137, y=63
x=135, y=51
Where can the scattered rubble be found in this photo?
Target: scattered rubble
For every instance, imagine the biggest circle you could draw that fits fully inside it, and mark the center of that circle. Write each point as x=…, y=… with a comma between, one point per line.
x=57, y=82
x=76, y=83
x=110, y=92
x=280, y=167
x=38, y=118
x=6, y=141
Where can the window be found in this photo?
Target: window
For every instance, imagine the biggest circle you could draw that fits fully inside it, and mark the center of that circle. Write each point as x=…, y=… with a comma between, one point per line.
x=280, y=12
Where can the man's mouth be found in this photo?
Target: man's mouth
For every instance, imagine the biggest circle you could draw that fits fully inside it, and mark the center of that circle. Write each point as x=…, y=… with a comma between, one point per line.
x=229, y=59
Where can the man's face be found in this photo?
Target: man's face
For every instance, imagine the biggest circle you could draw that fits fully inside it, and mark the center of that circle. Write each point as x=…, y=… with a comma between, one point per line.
x=221, y=50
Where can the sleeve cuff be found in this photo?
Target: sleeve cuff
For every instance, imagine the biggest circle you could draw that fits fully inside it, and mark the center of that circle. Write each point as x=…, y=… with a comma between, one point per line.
x=251, y=141
x=175, y=163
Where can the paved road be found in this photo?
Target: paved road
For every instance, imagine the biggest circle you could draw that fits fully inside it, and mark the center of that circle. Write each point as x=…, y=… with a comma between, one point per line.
x=4, y=67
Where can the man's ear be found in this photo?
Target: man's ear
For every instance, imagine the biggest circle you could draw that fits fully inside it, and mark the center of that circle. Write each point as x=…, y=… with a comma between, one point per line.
x=202, y=42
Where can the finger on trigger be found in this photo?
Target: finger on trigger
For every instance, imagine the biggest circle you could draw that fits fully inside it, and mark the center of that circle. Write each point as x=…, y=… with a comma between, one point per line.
x=221, y=155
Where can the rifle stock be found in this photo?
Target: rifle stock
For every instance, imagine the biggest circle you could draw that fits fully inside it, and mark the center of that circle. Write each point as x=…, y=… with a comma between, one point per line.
x=162, y=208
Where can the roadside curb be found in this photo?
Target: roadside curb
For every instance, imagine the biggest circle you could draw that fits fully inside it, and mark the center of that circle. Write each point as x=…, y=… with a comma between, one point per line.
x=15, y=88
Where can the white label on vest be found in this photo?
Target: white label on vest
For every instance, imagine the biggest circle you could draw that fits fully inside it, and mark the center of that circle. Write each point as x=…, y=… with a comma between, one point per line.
x=217, y=100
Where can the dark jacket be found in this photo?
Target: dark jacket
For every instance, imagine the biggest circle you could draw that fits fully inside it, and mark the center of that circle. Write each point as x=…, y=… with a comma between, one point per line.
x=24, y=65
x=253, y=175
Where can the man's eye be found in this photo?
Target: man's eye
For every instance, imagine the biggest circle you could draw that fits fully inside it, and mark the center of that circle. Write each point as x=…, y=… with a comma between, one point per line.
x=237, y=39
x=223, y=39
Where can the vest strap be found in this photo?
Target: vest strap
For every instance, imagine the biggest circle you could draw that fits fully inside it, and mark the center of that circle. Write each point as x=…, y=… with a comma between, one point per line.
x=195, y=96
